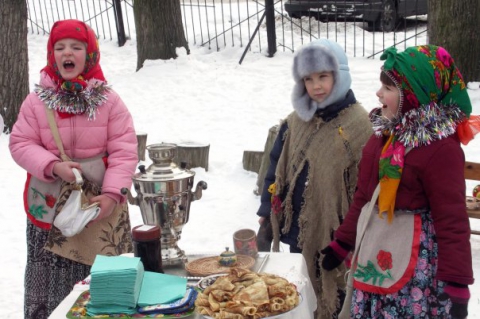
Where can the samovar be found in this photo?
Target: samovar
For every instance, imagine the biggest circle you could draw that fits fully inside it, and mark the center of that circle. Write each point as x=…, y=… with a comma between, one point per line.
x=164, y=193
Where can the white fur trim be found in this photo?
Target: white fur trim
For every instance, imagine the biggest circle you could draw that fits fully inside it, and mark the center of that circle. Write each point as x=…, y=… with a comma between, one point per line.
x=318, y=56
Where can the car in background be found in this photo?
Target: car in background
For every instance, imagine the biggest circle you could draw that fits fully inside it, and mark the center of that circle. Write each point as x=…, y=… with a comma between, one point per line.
x=381, y=15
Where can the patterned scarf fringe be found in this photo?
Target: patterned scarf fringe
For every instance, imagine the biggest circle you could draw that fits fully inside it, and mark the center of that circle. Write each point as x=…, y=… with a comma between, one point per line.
x=420, y=126
x=86, y=101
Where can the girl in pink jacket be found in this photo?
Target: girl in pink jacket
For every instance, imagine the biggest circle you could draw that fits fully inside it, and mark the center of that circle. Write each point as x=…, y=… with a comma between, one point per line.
x=97, y=133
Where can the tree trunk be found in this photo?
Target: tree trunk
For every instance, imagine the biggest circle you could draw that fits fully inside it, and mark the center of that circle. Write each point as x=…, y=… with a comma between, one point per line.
x=159, y=30
x=14, y=62
x=453, y=24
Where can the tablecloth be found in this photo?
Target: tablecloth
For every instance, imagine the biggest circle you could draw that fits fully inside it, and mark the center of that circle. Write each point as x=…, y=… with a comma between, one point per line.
x=291, y=266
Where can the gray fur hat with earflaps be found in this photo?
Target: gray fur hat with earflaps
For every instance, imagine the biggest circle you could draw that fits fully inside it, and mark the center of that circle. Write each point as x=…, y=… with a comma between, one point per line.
x=319, y=56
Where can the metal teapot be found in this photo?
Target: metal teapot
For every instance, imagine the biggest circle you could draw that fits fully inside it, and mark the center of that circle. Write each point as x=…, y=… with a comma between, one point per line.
x=164, y=193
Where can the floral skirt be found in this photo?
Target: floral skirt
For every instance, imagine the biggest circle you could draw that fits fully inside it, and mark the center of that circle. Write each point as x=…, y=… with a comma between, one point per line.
x=421, y=297
x=49, y=278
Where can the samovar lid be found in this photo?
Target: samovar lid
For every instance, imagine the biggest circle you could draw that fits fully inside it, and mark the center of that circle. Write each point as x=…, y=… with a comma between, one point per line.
x=163, y=168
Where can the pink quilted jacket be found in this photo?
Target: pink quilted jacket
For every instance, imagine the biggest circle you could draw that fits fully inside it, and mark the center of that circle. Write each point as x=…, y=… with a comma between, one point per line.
x=112, y=132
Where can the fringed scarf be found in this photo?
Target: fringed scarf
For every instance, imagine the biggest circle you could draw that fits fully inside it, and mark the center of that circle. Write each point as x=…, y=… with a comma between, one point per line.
x=77, y=102
x=435, y=104
x=391, y=167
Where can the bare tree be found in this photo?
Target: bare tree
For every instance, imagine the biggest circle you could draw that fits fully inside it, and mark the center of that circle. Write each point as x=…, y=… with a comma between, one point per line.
x=14, y=62
x=453, y=24
x=159, y=29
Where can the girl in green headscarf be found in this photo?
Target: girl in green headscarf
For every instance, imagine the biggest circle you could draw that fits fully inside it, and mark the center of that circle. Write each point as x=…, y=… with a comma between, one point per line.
x=414, y=260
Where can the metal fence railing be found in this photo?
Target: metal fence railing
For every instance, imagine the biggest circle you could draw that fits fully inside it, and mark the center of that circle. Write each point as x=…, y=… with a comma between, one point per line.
x=218, y=24
x=101, y=15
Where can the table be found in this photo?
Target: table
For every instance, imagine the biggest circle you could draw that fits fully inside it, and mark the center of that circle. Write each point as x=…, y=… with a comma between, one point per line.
x=291, y=266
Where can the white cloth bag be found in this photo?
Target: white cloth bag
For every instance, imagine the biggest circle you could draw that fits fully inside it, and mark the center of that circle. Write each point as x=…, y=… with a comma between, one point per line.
x=76, y=213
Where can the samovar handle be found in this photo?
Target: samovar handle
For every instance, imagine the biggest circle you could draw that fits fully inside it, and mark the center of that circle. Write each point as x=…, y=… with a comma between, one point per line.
x=132, y=200
x=197, y=194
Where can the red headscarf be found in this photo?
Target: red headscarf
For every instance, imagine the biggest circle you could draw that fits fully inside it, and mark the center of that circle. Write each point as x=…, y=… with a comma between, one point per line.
x=78, y=30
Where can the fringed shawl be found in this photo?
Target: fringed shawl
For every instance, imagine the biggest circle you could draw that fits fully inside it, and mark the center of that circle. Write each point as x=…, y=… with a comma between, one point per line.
x=86, y=101
x=332, y=150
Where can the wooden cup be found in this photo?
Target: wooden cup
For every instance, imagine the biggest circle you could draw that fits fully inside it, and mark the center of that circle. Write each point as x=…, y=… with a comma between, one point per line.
x=245, y=242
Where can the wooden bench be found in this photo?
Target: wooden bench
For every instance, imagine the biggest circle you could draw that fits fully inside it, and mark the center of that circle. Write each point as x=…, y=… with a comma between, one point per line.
x=472, y=172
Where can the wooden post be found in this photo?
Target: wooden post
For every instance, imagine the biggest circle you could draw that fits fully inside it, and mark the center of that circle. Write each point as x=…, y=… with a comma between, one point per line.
x=142, y=145
x=117, y=9
x=271, y=32
x=272, y=135
x=252, y=160
x=193, y=154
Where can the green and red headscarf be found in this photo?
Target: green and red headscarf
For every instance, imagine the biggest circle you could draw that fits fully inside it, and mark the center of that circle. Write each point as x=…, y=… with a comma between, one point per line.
x=434, y=104
x=78, y=30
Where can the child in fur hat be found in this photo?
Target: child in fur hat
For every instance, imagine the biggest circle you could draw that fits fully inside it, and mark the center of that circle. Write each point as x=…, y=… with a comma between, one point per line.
x=312, y=176
x=98, y=136
x=415, y=258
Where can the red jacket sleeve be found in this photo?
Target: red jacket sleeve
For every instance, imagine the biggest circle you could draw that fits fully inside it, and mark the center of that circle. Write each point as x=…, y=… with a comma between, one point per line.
x=444, y=184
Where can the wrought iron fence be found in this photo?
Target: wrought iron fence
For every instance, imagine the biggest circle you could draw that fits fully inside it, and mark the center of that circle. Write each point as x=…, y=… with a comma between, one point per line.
x=104, y=16
x=218, y=24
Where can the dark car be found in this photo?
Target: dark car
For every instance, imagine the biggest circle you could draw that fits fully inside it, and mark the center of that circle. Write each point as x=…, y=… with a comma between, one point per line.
x=380, y=14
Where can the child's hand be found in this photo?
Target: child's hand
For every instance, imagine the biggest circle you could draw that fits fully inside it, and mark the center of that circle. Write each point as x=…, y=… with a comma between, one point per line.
x=64, y=170
x=106, y=204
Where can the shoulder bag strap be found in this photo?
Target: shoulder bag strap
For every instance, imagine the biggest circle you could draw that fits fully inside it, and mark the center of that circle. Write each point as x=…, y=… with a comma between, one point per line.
x=56, y=134
x=370, y=209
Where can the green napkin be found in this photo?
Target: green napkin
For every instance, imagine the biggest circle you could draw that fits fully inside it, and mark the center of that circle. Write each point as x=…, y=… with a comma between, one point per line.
x=113, y=310
x=115, y=285
x=103, y=264
x=160, y=289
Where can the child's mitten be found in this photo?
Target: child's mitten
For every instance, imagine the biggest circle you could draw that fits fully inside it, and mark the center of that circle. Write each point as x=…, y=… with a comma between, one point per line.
x=335, y=253
x=459, y=295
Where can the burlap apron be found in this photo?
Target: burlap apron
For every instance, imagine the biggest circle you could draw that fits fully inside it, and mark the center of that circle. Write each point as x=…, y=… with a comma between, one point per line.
x=109, y=236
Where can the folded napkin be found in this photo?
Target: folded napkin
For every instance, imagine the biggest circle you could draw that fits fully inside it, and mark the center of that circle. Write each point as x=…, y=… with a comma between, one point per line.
x=115, y=285
x=159, y=288
x=178, y=306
